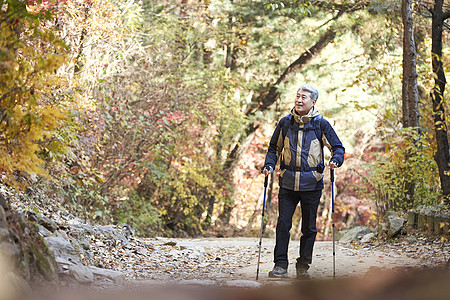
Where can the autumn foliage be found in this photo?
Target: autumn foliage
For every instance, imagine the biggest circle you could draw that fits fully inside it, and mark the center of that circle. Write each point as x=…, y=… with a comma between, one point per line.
x=129, y=111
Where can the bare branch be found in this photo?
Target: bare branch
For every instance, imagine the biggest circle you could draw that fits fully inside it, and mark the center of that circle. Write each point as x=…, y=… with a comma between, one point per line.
x=446, y=15
x=446, y=25
x=427, y=8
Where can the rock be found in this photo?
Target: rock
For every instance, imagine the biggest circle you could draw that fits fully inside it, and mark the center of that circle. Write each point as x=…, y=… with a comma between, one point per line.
x=243, y=283
x=390, y=213
x=80, y=231
x=31, y=216
x=198, y=282
x=170, y=244
x=44, y=260
x=116, y=276
x=191, y=247
x=382, y=229
x=141, y=251
x=354, y=234
x=109, y=233
x=82, y=274
x=395, y=225
x=62, y=248
x=67, y=257
x=47, y=223
x=44, y=231
x=341, y=233
x=127, y=230
x=368, y=237
x=81, y=246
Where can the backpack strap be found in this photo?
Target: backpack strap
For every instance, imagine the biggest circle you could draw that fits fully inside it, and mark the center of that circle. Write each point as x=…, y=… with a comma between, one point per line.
x=289, y=120
x=318, y=129
x=319, y=132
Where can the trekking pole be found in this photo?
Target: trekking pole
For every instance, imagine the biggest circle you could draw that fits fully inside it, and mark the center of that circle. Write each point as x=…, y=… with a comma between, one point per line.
x=332, y=212
x=262, y=224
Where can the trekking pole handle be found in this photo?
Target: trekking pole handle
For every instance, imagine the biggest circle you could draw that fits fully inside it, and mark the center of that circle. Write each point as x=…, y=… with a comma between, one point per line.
x=266, y=180
x=332, y=175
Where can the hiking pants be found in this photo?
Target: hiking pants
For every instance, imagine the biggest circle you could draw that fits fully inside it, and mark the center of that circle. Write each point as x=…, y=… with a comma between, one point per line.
x=287, y=202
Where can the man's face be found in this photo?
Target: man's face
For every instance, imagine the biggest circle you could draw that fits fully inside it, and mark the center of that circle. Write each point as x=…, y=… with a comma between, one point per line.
x=303, y=102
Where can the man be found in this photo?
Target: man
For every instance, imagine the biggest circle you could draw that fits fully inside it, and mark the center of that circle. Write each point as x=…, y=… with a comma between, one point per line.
x=299, y=139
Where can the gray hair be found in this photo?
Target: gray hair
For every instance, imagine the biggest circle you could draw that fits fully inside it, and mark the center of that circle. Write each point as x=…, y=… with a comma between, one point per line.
x=311, y=89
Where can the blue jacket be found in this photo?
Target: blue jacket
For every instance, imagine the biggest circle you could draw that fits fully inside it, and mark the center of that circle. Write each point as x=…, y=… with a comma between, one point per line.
x=299, y=141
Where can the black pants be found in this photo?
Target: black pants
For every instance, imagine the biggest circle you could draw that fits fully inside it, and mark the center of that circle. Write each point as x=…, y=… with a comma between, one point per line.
x=287, y=202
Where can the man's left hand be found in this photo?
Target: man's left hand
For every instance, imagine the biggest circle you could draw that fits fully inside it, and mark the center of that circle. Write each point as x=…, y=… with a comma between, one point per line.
x=332, y=165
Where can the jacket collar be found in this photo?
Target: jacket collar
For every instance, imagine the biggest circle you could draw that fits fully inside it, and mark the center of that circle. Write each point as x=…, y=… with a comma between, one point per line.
x=313, y=112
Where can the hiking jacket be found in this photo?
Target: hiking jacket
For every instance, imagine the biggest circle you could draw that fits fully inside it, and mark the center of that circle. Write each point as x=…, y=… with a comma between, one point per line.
x=299, y=140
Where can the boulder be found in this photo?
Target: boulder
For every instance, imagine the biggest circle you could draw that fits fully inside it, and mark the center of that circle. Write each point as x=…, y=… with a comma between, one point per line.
x=367, y=238
x=63, y=250
x=354, y=234
x=116, y=276
x=81, y=274
x=47, y=223
x=395, y=225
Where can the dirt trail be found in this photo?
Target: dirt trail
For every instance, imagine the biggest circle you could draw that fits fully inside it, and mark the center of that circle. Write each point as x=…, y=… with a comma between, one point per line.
x=240, y=254
x=349, y=260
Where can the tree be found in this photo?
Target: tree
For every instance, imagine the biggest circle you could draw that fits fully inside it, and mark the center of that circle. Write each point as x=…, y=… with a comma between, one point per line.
x=442, y=155
x=410, y=98
x=33, y=96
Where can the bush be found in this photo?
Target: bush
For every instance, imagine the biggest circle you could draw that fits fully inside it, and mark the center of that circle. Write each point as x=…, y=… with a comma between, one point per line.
x=406, y=165
x=139, y=213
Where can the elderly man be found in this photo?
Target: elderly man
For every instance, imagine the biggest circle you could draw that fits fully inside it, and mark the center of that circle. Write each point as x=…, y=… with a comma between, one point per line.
x=298, y=142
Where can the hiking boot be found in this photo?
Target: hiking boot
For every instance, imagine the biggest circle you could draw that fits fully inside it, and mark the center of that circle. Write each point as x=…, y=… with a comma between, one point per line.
x=278, y=272
x=302, y=273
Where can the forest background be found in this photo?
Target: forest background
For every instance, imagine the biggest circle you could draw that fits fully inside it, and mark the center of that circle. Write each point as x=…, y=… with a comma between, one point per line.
x=158, y=113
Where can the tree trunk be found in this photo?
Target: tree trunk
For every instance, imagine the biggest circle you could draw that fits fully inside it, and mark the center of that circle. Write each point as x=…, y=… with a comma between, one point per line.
x=78, y=60
x=442, y=156
x=410, y=95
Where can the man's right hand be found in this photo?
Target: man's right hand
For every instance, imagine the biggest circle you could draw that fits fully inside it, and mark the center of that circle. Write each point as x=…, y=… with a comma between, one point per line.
x=267, y=170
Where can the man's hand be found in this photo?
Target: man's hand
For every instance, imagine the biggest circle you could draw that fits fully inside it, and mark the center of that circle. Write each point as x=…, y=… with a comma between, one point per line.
x=332, y=165
x=267, y=170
